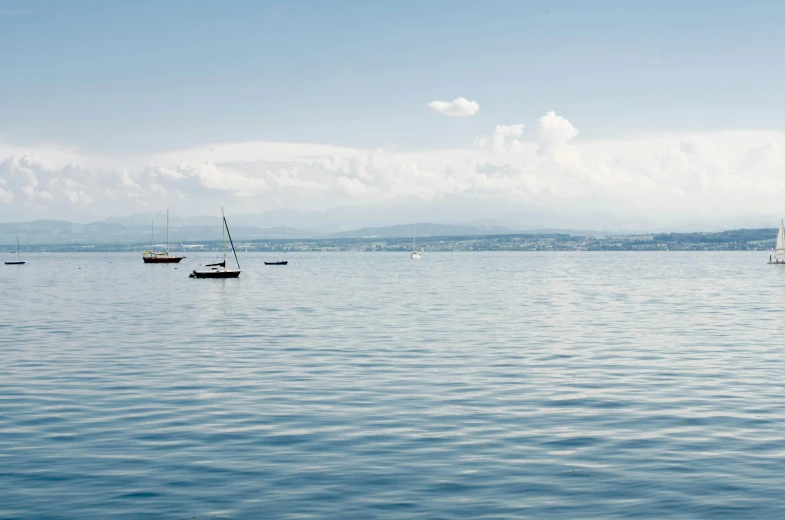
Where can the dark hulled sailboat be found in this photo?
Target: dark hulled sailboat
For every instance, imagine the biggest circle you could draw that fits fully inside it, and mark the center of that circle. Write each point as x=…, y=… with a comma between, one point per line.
x=19, y=260
x=219, y=270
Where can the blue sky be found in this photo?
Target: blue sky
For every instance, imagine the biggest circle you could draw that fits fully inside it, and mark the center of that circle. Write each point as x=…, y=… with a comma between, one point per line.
x=149, y=74
x=661, y=112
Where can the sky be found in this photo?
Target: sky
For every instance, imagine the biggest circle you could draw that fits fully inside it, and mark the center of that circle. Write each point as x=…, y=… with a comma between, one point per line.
x=571, y=113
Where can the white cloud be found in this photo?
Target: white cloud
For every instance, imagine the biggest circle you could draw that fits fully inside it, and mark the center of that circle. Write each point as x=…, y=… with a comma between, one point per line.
x=663, y=177
x=503, y=139
x=460, y=107
x=554, y=132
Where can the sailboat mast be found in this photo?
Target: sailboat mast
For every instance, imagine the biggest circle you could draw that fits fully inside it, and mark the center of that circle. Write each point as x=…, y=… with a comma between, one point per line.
x=167, y=231
x=180, y=239
x=229, y=234
x=223, y=233
x=152, y=234
x=17, y=249
x=415, y=237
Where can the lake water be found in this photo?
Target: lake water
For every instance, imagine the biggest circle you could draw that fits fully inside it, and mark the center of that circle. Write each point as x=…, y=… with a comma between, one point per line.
x=356, y=386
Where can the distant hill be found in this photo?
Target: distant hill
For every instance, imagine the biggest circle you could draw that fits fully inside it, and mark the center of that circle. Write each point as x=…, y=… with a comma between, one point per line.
x=136, y=230
x=61, y=232
x=722, y=237
x=423, y=230
x=57, y=236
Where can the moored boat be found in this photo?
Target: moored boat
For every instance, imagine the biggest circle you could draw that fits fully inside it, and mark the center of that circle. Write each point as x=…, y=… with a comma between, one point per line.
x=779, y=248
x=150, y=257
x=19, y=260
x=162, y=257
x=219, y=270
x=416, y=255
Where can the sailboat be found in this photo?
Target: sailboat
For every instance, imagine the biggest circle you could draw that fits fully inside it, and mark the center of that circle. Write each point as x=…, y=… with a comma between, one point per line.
x=19, y=260
x=153, y=257
x=416, y=255
x=219, y=269
x=779, y=248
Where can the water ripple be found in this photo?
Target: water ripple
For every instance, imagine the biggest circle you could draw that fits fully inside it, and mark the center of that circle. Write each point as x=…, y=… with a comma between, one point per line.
x=575, y=385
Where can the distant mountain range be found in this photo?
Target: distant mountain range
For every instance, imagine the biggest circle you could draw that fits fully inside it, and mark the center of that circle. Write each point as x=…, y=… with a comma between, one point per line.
x=113, y=232
x=292, y=225
x=424, y=230
x=63, y=232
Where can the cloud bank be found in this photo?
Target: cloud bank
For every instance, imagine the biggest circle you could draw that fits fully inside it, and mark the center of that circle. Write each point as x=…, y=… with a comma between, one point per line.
x=661, y=178
x=460, y=107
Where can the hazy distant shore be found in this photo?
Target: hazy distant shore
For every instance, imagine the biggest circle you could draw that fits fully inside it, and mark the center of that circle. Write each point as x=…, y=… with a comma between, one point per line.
x=733, y=240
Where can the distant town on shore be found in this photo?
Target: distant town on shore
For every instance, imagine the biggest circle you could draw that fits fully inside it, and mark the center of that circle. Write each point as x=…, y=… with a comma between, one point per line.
x=49, y=236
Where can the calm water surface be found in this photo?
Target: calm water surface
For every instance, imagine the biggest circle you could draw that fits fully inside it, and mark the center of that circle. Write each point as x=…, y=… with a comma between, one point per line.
x=484, y=385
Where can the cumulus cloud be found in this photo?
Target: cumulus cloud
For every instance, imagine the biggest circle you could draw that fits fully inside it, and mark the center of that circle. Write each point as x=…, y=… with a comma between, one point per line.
x=766, y=157
x=554, y=132
x=728, y=173
x=460, y=107
x=504, y=139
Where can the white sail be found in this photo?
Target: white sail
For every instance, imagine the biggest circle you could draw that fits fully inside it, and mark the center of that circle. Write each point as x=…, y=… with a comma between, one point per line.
x=415, y=254
x=779, y=249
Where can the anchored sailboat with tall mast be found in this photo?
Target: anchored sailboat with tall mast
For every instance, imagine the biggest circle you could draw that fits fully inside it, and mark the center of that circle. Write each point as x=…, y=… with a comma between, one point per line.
x=779, y=248
x=416, y=255
x=162, y=257
x=219, y=270
x=19, y=260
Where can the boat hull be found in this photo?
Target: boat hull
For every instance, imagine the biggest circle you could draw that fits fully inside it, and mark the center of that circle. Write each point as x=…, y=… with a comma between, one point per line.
x=228, y=273
x=162, y=260
x=285, y=262
x=14, y=263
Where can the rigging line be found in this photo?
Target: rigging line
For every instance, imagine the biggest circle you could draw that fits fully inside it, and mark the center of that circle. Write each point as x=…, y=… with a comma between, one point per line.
x=178, y=238
x=230, y=241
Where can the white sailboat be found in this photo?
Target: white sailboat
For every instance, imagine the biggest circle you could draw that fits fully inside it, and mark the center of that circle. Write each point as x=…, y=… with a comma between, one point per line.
x=779, y=248
x=416, y=255
x=155, y=257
